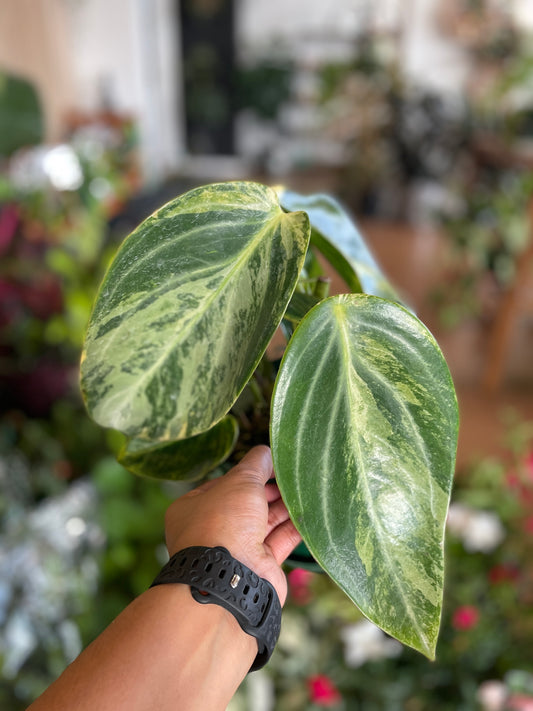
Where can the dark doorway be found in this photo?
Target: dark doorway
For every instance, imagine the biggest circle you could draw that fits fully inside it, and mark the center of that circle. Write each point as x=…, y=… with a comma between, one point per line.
x=207, y=40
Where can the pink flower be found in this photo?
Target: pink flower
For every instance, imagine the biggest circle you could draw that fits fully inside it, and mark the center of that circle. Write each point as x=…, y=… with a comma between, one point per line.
x=323, y=691
x=465, y=617
x=300, y=585
x=518, y=702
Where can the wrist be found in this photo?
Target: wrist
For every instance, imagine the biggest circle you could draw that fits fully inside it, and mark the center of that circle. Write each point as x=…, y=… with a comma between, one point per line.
x=254, y=558
x=215, y=577
x=213, y=624
x=205, y=643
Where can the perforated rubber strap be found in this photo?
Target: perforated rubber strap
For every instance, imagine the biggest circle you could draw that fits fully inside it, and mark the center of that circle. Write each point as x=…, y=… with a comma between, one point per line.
x=214, y=576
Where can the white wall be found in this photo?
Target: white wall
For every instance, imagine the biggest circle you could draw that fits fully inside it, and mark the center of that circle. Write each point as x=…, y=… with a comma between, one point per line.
x=127, y=51
x=131, y=47
x=430, y=58
x=523, y=10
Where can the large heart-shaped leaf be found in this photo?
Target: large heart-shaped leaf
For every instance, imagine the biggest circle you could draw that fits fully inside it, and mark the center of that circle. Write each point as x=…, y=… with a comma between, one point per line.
x=184, y=460
x=364, y=432
x=187, y=309
x=336, y=236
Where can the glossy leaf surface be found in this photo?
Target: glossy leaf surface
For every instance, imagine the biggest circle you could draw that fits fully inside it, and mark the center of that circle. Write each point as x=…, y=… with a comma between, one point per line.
x=364, y=432
x=184, y=460
x=187, y=309
x=336, y=236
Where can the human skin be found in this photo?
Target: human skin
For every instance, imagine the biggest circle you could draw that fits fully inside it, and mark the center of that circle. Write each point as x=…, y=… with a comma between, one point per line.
x=165, y=651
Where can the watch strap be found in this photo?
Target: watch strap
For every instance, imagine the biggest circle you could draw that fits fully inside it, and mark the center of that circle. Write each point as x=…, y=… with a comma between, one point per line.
x=214, y=576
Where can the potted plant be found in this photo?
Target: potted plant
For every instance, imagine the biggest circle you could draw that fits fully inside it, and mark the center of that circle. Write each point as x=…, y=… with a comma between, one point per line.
x=363, y=414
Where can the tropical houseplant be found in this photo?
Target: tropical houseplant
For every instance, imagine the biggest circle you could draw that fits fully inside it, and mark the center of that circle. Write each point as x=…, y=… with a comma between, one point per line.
x=363, y=415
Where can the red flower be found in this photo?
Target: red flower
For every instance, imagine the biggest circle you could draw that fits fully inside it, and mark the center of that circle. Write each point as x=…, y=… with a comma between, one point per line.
x=503, y=573
x=465, y=617
x=323, y=691
x=299, y=585
x=8, y=225
x=43, y=297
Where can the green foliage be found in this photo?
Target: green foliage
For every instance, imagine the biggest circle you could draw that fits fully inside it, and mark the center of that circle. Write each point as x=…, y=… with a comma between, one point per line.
x=487, y=230
x=173, y=461
x=21, y=115
x=343, y=404
x=187, y=309
x=264, y=87
x=487, y=623
x=131, y=513
x=363, y=398
x=335, y=235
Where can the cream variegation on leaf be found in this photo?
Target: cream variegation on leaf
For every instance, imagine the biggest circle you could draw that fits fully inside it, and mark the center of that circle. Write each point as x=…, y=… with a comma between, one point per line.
x=364, y=428
x=187, y=309
x=364, y=413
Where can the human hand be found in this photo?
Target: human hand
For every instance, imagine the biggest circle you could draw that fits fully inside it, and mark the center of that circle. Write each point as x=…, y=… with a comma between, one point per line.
x=241, y=512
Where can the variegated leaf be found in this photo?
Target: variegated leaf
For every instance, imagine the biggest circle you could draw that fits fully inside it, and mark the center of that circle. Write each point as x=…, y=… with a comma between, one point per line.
x=364, y=433
x=187, y=309
x=336, y=236
x=184, y=460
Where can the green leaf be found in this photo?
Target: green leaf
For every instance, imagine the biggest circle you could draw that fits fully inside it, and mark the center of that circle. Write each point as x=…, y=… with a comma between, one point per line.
x=364, y=433
x=21, y=114
x=184, y=460
x=335, y=235
x=299, y=305
x=187, y=309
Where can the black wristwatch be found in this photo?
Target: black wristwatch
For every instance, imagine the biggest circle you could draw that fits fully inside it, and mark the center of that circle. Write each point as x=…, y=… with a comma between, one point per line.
x=214, y=576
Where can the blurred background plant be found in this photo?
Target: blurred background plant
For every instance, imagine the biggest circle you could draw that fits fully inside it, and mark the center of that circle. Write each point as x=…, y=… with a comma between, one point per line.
x=486, y=218
x=394, y=132
x=80, y=535
x=419, y=114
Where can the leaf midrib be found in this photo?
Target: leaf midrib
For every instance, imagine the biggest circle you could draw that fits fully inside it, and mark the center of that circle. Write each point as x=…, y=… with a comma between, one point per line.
x=350, y=373
x=135, y=384
x=164, y=245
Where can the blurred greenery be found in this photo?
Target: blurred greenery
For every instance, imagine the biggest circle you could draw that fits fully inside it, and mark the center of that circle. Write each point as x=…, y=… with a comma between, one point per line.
x=487, y=219
x=265, y=86
x=394, y=132
x=487, y=230
x=80, y=535
x=21, y=115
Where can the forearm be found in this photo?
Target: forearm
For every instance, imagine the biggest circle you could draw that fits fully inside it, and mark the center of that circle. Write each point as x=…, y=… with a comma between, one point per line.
x=165, y=652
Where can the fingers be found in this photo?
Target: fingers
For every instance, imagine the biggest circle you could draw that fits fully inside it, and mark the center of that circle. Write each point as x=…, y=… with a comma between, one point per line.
x=256, y=465
x=282, y=536
x=277, y=514
x=282, y=540
x=272, y=492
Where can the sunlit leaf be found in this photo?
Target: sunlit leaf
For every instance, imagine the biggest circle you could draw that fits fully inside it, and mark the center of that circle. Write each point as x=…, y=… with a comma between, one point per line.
x=187, y=309
x=364, y=433
x=336, y=236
